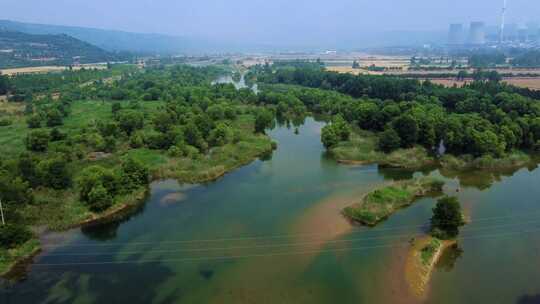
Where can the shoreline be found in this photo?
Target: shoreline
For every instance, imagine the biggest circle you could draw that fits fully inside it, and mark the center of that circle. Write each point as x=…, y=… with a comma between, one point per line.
x=417, y=273
x=138, y=198
x=379, y=204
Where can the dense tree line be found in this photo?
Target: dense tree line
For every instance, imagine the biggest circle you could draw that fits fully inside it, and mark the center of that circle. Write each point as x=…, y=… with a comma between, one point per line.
x=485, y=117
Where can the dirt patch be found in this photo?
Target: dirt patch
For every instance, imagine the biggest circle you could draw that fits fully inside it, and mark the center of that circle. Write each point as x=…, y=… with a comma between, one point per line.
x=48, y=69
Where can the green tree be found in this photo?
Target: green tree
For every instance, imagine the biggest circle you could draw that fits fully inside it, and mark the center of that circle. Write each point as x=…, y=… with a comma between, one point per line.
x=447, y=218
x=341, y=127
x=329, y=136
x=99, y=198
x=134, y=174
x=38, y=140
x=130, y=121
x=263, y=120
x=389, y=140
x=54, y=173
x=13, y=235
x=94, y=176
x=34, y=121
x=53, y=118
x=220, y=135
x=407, y=128
x=14, y=190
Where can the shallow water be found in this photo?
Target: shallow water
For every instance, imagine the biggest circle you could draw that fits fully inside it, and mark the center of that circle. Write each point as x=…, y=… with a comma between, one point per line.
x=271, y=232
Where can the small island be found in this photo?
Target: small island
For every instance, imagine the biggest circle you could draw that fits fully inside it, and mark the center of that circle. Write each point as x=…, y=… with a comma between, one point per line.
x=426, y=251
x=379, y=204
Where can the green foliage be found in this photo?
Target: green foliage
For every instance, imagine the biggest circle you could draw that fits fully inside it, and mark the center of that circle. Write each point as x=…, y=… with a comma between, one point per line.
x=482, y=118
x=34, y=121
x=263, y=120
x=407, y=129
x=93, y=181
x=13, y=235
x=381, y=203
x=99, y=199
x=389, y=140
x=428, y=251
x=38, y=140
x=220, y=135
x=130, y=121
x=14, y=190
x=54, y=173
x=61, y=48
x=133, y=174
x=329, y=136
x=53, y=118
x=338, y=130
x=447, y=218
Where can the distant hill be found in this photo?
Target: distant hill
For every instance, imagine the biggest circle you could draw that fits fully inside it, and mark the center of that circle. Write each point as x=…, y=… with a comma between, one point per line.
x=112, y=40
x=21, y=49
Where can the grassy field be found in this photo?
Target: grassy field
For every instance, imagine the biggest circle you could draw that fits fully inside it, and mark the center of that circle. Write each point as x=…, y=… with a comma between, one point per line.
x=9, y=257
x=379, y=204
x=522, y=82
x=48, y=69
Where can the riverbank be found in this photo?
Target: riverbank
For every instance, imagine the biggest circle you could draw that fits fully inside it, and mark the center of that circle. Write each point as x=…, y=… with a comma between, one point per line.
x=379, y=204
x=54, y=213
x=361, y=149
x=422, y=257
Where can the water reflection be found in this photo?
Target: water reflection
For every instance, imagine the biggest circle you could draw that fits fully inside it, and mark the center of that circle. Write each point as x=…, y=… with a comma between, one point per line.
x=107, y=229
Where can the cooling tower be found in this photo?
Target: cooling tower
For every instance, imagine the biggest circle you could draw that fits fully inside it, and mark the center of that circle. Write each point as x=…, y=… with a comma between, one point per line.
x=477, y=34
x=455, y=34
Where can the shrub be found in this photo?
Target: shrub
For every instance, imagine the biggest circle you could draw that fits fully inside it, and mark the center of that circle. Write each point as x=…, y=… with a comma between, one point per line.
x=34, y=121
x=57, y=135
x=38, y=140
x=12, y=235
x=94, y=176
x=54, y=173
x=4, y=121
x=134, y=174
x=389, y=140
x=99, y=198
x=447, y=218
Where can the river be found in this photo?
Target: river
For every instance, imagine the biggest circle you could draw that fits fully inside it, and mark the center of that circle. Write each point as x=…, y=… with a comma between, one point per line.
x=271, y=232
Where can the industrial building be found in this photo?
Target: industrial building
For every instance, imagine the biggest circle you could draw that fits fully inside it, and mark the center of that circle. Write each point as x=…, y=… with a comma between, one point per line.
x=477, y=33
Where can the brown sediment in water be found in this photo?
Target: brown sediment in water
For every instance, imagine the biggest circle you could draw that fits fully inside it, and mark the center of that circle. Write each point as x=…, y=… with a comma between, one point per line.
x=398, y=290
x=264, y=280
x=172, y=198
x=418, y=274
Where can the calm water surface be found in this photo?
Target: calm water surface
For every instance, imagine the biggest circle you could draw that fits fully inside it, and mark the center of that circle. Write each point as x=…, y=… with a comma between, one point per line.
x=271, y=232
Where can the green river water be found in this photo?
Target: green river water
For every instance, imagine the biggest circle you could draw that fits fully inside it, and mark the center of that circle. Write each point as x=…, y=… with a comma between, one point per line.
x=271, y=232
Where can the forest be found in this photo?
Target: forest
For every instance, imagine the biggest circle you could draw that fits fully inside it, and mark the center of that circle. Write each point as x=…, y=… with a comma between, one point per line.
x=485, y=117
x=81, y=145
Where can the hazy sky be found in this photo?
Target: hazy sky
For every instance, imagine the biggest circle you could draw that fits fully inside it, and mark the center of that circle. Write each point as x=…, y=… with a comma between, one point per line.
x=266, y=19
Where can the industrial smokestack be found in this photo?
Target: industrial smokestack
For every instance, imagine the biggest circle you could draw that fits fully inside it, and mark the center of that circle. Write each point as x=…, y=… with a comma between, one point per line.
x=503, y=20
x=455, y=34
x=477, y=33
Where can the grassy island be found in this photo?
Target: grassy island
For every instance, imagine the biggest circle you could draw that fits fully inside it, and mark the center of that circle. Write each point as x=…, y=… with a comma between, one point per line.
x=379, y=204
x=361, y=149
